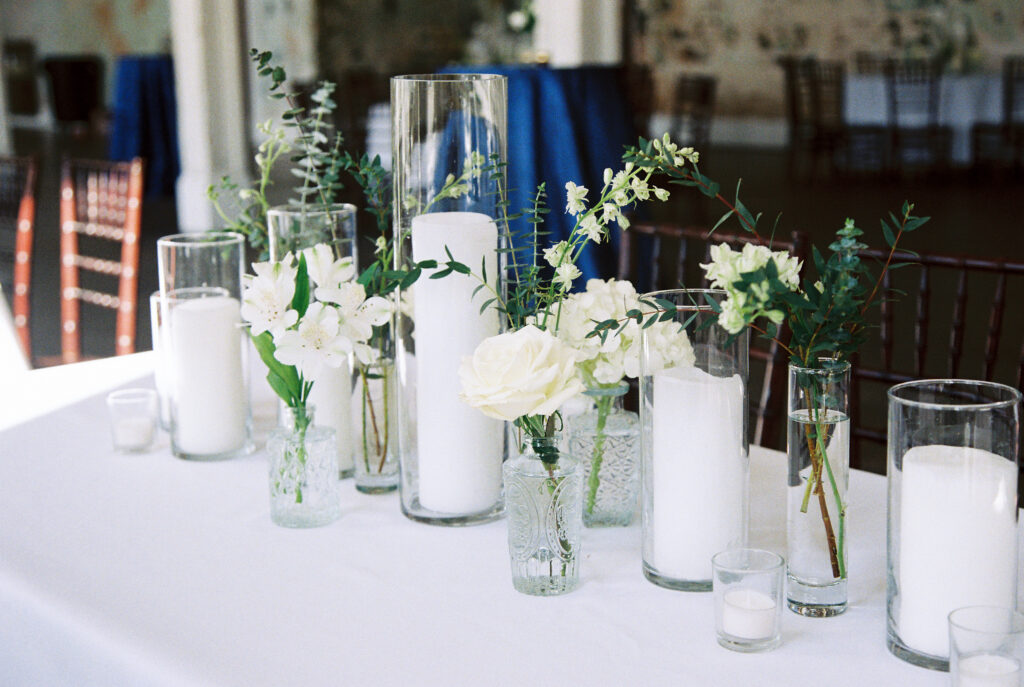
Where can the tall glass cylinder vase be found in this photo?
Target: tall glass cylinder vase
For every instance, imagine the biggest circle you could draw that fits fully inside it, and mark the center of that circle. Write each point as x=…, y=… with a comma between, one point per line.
x=606, y=440
x=693, y=410
x=544, y=488
x=952, y=471
x=292, y=228
x=204, y=344
x=818, y=445
x=449, y=139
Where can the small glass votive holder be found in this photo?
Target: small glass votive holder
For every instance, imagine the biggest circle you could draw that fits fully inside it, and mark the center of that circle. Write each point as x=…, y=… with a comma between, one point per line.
x=134, y=414
x=747, y=588
x=986, y=647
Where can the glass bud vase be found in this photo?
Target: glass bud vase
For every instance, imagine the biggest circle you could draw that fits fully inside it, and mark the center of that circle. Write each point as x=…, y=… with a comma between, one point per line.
x=953, y=469
x=303, y=472
x=693, y=409
x=375, y=419
x=818, y=447
x=543, y=499
x=606, y=440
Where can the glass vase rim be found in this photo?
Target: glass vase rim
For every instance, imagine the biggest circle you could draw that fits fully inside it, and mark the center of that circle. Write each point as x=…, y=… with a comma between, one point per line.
x=448, y=78
x=204, y=238
x=192, y=292
x=314, y=210
x=619, y=388
x=771, y=560
x=1015, y=616
x=1012, y=395
x=829, y=366
x=720, y=294
x=131, y=395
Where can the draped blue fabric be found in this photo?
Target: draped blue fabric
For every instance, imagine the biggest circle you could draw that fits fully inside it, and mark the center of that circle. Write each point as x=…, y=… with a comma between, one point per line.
x=145, y=119
x=563, y=125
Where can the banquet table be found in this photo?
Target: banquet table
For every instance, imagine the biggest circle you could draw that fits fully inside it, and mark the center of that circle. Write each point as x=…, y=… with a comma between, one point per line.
x=964, y=99
x=148, y=570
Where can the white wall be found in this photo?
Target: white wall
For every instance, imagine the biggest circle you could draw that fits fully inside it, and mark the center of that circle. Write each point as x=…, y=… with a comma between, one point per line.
x=576, y=32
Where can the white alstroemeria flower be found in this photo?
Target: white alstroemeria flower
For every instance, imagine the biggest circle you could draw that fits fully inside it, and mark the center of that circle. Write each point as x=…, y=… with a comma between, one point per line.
x=324, y=270
x=590, y=226
x=554, y=255
x=565, y=275
x=576, y=198
x=316, y=342
x=358, y=325
x=347, y=295
x=267, y=297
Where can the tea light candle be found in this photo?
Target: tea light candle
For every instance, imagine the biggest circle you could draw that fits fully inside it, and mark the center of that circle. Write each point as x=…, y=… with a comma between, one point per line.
x=458, y=448
x=698, y=467
x=748, y=614
x=210, y=400
x=958, y=532
x=134, y=433
x=988, y=670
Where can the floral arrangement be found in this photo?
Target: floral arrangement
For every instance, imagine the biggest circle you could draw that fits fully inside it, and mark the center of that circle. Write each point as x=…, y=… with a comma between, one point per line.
x=306, y=314
x=537, y=301
x=825, y=315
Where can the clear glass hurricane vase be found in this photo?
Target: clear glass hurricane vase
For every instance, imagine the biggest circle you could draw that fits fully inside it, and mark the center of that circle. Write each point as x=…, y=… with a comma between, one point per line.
x=449, y=132
x=953, y=470
x=545, y=518
x=606, y=440
x=818, y=447
x=303, y=472
x=693, y=410
x=375, y=419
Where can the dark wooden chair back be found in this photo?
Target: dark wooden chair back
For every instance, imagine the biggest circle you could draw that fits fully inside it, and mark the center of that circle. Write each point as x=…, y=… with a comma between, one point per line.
x=951, y=323
x=664, y=256
x=912, y=93
x=637, y=83
x=693, y=105
x=1013, y=90
x=100, y=205
x=17, y=221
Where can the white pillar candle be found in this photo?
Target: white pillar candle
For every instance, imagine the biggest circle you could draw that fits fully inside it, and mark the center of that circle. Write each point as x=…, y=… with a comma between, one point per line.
x=988, y=670
x=748, y=614
x=958, y=539
x=332, y=398
x=210, y=404
x=699, y=470
x=458, y=448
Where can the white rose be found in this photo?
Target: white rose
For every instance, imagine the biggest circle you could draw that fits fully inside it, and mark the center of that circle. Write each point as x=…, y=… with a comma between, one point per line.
x=525, y=372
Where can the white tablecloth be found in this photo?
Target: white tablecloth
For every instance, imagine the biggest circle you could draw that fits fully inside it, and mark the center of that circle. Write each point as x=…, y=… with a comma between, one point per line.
x=963, y=100
x=148, y=570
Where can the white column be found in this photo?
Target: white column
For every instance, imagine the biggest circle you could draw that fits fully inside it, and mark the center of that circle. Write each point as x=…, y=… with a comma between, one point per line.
x=578, y=32
x=5, y=117
x=208, y=69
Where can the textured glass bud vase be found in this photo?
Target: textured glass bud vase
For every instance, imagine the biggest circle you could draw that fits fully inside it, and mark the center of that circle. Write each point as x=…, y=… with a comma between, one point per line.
x=693, y=409
x=291, y=229
x=449, y=140
x=203, y=348
x=375, y=419
x=952, y=471
x=606, y=441
x=543, y=493
x=303, y=472
x=818, y=446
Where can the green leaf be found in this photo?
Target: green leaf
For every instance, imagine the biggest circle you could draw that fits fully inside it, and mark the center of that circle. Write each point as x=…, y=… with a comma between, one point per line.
x=300, y=302
x=286, y=383
x=890, y=238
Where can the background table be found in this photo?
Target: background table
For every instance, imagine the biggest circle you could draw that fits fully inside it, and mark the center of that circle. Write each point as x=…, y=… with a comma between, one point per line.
x=149, y=570
x=964, y=99
x=563, y=125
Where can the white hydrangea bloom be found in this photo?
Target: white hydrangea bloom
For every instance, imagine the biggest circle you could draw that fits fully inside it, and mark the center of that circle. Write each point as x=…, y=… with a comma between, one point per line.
x=604, y=363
